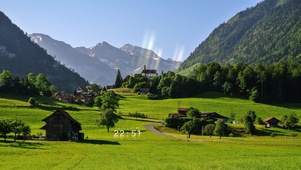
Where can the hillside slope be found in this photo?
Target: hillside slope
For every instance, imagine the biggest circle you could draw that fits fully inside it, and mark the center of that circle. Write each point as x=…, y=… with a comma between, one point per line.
x=20, y=56
x=266, y=33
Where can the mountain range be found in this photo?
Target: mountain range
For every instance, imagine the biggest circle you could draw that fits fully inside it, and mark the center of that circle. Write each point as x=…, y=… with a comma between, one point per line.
x=99, y=64
x=20, y=56
x=267, y=33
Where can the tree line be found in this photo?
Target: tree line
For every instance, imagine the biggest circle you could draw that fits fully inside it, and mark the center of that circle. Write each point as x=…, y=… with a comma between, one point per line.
x=15, y=126
x=279, y=82
x=37, y=85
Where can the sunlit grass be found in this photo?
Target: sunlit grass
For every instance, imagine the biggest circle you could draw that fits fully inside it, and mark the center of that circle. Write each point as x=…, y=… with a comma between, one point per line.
x=103, y=150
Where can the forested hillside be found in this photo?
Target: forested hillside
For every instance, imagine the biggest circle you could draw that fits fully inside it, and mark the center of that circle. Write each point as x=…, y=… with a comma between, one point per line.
x=267, y=33
x=20, y=56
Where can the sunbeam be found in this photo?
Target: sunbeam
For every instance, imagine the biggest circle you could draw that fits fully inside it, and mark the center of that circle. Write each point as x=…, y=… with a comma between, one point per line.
x=148, y=43
x=179, y=52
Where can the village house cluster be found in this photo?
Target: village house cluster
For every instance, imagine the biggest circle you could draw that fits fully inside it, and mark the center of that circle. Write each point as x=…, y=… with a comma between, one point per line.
x=182, y=112
x=81, y=95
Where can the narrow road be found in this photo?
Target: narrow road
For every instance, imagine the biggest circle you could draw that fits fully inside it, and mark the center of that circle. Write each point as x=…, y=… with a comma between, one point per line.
x=151, y=128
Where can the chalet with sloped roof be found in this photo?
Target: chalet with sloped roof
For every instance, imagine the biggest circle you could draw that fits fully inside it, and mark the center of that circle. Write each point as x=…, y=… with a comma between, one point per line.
x=182, y=112
x=271, y=121
x=61, y=126
x=213, y=115
x=148, y=73
x=81, y=90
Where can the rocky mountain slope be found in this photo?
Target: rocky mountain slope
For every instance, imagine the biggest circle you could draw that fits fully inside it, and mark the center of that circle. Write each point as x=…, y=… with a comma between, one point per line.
x=99, y=64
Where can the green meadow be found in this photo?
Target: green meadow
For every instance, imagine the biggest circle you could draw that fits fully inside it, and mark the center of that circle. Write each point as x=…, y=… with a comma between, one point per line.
x=103, y=150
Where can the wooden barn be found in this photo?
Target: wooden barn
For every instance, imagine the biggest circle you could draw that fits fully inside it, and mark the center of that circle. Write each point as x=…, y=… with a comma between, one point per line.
x=61, y=126
x=271, y=121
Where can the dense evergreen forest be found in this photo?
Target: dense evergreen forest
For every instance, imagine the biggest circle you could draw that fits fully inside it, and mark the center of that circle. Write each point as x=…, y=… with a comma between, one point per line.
x=277, y=83
x=267, y=33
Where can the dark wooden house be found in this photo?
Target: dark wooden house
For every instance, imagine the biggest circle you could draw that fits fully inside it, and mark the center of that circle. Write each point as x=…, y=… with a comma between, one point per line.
x=271, y=121
x=213, y=115
x=182, y=112
x=61, y=126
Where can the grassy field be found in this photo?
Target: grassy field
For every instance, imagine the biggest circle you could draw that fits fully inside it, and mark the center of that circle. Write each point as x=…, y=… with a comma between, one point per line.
x=150, y=151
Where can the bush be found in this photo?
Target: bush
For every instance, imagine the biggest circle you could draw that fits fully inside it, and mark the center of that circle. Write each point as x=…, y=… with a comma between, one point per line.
x=194, y=113
x=141, y=115
x=294, y=135
x=174, y=122
x=273, y=134
x=260, y=121
x=154, y=97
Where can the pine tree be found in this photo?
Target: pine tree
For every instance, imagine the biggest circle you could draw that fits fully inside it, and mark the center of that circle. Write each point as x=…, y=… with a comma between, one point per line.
x=119, y=80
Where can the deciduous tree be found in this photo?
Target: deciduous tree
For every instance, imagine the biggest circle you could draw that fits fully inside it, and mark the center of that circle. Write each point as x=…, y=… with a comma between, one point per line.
x=108, y=119
x=248, y=121
x=290, y=121
x=188, y=127
x=16, y=127
x=193, y=112
x=209, y=129
x=220, y=128
x=109, y=100
x=25, y=131
x=5, y=127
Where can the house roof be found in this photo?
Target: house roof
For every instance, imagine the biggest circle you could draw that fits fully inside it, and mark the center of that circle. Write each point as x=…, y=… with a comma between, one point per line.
x=44, y=127
x=270, y=118
x=149, y=71
x=84, y=89
x=183, y=109
x=62, y=112
x=213, y=115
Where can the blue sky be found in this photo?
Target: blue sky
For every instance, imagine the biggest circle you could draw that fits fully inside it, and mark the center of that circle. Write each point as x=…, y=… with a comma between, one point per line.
x=171, y=28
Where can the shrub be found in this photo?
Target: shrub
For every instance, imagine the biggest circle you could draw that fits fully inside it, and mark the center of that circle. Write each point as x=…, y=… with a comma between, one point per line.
x=174, y=122
x=294, y=135
x=259, y=121
x=154, y=97
x=141, y=115
x=194, y=113
x=209, y=128
x=273, y=134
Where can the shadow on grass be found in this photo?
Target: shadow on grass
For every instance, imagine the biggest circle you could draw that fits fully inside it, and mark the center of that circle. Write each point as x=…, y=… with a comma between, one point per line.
x=140, y=119
x=54, y=107
x=215, y=95
x=17, y=144
x=99, y=142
